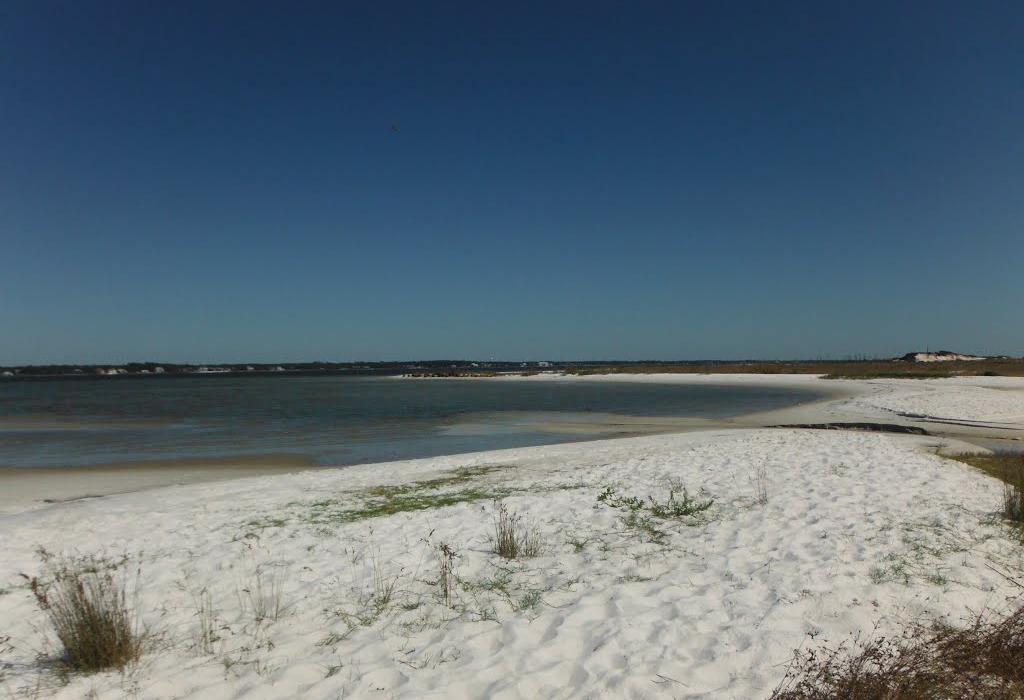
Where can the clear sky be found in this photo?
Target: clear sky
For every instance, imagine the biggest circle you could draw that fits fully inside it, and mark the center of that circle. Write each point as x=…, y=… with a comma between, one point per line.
x=218, y=181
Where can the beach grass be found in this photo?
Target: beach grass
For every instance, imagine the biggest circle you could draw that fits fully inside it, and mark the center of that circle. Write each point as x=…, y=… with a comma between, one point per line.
x=513, y=536
x=86, y=602
x=1008, y=467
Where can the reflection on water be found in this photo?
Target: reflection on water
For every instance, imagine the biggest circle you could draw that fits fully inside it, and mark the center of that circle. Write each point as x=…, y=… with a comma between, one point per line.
x=332, y=420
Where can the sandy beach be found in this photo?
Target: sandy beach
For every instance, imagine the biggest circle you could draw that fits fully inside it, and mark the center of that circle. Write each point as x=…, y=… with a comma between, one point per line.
x=810, y=536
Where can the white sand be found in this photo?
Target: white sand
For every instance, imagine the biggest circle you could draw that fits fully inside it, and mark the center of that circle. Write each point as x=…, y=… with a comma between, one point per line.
x=860, y=531
x=994, y=400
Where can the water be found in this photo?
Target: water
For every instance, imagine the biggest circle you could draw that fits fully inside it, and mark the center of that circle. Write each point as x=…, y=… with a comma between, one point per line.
x=329, y=419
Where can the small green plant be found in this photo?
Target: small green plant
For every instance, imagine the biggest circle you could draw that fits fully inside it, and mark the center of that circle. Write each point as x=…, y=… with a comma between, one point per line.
x=577, y=544
x=529, y=600
x=609, y=498
x=681, y=507
x=644, y=524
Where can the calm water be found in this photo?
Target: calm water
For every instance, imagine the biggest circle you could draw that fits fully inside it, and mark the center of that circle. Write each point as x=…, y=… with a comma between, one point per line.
x=332, y=420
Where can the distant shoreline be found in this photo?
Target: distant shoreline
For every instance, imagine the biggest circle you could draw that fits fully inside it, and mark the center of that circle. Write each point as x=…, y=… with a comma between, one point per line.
x=833, y=369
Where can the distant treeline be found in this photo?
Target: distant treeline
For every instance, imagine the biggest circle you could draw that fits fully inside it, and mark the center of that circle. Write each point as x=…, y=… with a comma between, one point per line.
x=171, y=368
x=853, y=368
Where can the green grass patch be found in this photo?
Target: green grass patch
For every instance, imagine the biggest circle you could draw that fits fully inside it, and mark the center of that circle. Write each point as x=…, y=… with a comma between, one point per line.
x=382, y=501
x=646, y=517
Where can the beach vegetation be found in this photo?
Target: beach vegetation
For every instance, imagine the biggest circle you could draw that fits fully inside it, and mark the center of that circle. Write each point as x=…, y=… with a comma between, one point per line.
x=88, y=608
x=513, y=536
x=939, y=661
x=646, y=516
x=759, y=480
x=679, y=504
x=530, y=600
x=1008, y=467
x=644, y=524
x=446, y=574
x=261, y=598
x=382, y=501
x=208, y=628
x=577, y=543
x=373, y=602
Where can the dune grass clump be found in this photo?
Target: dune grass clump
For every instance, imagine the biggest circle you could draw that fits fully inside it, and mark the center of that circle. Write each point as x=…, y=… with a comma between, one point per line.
x=759, y=480
x=86, y=601
x=940, y=663
x=1012, y=475
x=513, y=538
x=446, y=575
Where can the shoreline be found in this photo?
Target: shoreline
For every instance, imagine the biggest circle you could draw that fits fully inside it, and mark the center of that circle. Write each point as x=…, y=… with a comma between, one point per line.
x=26, y=488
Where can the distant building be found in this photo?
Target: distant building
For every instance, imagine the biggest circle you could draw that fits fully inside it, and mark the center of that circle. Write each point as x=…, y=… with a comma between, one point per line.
x=543, y=363
x=940, y=356
x=158, y=370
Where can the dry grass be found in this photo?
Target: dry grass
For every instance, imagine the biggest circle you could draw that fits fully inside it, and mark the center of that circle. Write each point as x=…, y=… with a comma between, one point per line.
x=446, y=578
x=261, y=598
x=86, y=601
x=940, y=663
x=1008, y=467
x=513, y=538
x=759, y=480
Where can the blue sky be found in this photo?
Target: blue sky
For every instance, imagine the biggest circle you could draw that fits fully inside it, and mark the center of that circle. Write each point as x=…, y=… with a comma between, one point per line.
x=221, y=182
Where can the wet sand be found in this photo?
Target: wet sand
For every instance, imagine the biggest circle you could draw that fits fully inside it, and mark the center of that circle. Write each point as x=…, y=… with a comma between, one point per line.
x=23, y=488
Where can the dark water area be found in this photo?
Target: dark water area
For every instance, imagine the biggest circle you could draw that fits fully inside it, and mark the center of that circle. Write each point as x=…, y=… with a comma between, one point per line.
x=329, y=420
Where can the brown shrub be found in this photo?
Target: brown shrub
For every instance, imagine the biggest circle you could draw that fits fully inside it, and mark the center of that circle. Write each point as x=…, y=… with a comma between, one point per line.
x=87, y=605
x=513, y=539
x=939, y=663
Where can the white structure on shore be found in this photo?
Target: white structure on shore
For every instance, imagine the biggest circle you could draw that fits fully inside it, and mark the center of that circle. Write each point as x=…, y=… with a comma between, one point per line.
x=940, y=356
